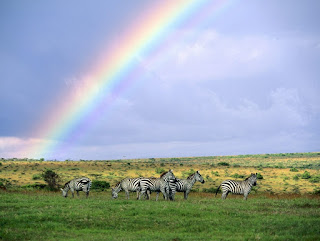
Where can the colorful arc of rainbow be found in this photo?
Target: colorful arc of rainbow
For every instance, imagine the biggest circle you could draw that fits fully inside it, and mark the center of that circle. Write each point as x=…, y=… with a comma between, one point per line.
x=108, y=76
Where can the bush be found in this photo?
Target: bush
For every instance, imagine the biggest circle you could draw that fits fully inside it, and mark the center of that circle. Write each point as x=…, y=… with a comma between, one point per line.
x=259, y=176
x=160, y=170
x=294, y=169
x=236, y=175
x=210, y=190
x=306, y=175
x=315, y=179
x=35, y=186
x=223, y=164
x=51, y=178
x=36, y=177
x=100, y=185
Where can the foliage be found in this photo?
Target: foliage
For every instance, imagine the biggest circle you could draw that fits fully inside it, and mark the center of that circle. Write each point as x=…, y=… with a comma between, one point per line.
x=236, y=175
x=259, y=176
x=100, y=185
x=211, y=190
x=36, y=176
x=160, y=170
x=223, y=164
x=305, y=175
x=294, y=169
x=315, y=179
x=51, y=178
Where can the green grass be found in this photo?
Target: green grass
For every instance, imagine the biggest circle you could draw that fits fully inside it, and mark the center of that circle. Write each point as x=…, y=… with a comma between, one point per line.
x=48, y=216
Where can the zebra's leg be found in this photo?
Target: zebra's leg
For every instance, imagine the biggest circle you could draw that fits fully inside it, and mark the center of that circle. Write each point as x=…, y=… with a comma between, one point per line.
x=157, y=196
x=224, y=195
x=127, y=193
x=142, y=192
x=186, y=193
x=245, y=196
x=137, y=194
x=87, y=194
x=78, y=193
x=164, y=192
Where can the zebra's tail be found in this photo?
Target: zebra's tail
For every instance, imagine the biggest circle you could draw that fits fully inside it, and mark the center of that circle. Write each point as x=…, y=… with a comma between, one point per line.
x=218, y=190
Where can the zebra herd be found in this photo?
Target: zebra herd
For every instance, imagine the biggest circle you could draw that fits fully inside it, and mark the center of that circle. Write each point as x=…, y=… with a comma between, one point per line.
x=167, y=184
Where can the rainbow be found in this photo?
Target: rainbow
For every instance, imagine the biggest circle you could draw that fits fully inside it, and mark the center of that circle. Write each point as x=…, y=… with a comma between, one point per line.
x=116, y=71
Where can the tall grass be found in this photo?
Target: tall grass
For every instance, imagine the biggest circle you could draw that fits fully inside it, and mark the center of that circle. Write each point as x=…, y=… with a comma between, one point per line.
x=48, y=216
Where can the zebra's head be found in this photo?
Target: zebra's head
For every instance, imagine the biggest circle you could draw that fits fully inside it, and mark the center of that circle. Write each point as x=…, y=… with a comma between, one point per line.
x=198, y=177
x=114, y=193
x=168, y=175
x=115, y=190
x=64, y=192
x=65, y=189
x=253, y=179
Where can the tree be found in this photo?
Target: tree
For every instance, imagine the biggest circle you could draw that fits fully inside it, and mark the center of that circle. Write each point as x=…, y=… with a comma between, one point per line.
x=50, y=177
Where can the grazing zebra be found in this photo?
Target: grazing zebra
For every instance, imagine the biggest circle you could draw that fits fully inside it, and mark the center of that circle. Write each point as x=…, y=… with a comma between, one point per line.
x=77, y=184
x=127, y=184
x=157, y=185
x=184, y=185
x=238, y=187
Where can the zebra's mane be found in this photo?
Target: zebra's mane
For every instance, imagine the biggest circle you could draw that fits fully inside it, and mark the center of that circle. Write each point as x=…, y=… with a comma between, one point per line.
x=247, y=178
x=117, y=184
x=66, y=184
x=191, y=176
x=163, y=174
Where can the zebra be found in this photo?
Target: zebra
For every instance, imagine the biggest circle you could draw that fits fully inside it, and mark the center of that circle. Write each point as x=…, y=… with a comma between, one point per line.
x=77, y=184
x=127, y=184
x=238, y=187
x=157, y=185
x=184, y=185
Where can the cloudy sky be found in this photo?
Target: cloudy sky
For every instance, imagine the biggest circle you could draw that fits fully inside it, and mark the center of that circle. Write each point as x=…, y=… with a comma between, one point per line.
x=243, y=80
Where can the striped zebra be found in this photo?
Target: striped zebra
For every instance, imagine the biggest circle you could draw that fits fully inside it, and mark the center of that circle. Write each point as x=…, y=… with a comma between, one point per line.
x=77, y=184
x=184, y=185
x=127, y=185
x=157, y=185
x=238, y=187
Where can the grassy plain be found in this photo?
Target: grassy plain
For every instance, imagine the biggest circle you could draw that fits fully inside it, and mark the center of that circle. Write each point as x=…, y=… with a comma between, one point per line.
x=40, y=215
x=285, y=204
x=282, y=173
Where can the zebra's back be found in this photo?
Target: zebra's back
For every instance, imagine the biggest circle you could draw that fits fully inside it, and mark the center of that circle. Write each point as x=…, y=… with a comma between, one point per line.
x=236, y=187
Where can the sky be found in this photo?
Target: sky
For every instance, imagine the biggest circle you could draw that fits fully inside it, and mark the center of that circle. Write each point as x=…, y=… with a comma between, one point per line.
x=241, y=78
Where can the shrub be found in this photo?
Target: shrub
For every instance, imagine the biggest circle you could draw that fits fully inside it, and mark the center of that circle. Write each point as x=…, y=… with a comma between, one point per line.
x=306, y=175
x=51, y=178
x=36, y=177
x=160, y=170
x=211, y=190
x=316, y=191
x=223, y=164
x=296, y=177
x=35, y=186
x=259, y=176
x=100, y=185
x=294, y=169
x=315, y=179
x=236, y=175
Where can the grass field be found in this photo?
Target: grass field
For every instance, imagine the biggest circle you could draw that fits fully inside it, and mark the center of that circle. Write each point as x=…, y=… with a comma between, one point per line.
x=285, y=204
x=48, y=216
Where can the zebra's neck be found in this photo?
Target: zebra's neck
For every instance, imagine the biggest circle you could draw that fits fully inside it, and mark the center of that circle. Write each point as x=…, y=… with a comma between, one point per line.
x=117, y=188
x=191, y=180
x=67, y=187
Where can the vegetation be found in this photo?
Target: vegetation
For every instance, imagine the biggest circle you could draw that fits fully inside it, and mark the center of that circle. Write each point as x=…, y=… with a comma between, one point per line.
x=47, y=216
x=285, y=204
